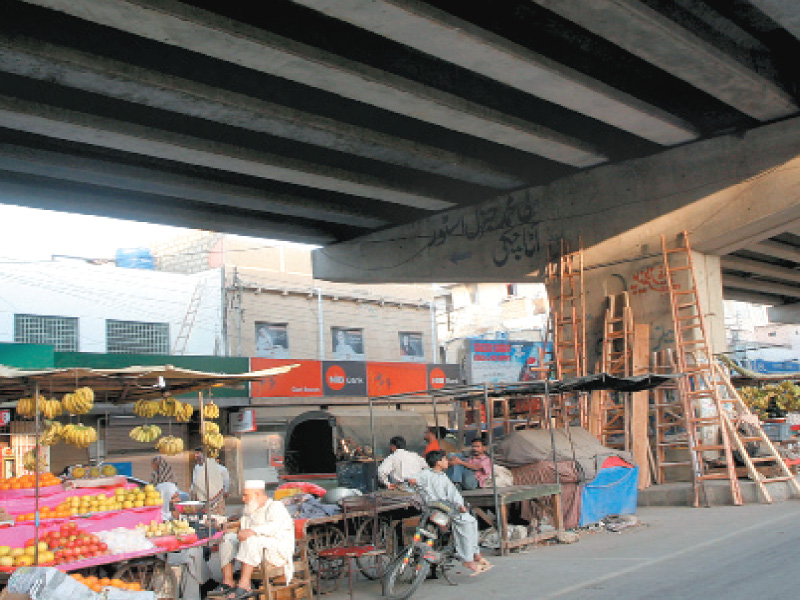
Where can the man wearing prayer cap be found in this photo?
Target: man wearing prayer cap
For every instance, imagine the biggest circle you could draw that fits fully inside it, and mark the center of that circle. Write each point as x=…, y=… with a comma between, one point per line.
x=267, y=531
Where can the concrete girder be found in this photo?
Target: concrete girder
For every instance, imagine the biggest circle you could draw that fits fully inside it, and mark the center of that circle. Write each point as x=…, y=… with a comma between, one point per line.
x=644, y=32
x=449, y=38
x=788, y=314
x=107, y=133
x=777, y=250
x=746, y=265
x=785, y=14
x=711, y=188
x=753, y=298
x=180, y=25
x=764, y=287
x=149, y=181
x=127, y=82
x=747, y=237
x=52, y=194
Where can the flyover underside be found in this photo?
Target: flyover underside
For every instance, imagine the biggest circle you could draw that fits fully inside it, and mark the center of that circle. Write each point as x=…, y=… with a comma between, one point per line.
x=730, y=193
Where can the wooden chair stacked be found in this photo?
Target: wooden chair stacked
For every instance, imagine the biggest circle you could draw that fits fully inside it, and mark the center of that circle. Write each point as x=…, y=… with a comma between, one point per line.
x=565, y=287
x=716, y=416
x=617, y=359
x=273, y=585
x=360, y=520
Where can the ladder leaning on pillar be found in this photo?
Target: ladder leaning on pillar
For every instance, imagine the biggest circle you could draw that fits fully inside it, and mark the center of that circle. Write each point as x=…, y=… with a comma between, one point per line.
x=710, y=401
x=617, y=359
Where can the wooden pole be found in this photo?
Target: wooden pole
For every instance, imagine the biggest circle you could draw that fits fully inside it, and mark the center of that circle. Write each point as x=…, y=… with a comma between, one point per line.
x=640, y=406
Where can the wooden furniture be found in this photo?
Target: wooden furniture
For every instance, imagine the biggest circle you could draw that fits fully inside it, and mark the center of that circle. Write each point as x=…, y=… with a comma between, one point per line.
x=484, y=498
x=273, y=585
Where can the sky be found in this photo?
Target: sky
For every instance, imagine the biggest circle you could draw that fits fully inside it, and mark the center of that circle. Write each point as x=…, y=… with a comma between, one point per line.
x=30, y=234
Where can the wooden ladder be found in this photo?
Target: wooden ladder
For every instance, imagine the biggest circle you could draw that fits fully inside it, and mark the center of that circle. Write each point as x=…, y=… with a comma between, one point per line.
x=669, y=418
x=617, y=359
x=565, y=287
x=711, y=401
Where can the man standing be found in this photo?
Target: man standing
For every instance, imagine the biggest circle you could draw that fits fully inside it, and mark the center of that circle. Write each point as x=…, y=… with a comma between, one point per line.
x=436, y=487
x=266, y=531
x=400, y=464
x=215, y=479
x=473, y=471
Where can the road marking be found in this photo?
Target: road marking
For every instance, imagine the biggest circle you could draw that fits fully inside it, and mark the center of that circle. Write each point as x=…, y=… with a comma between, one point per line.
x=670, y=556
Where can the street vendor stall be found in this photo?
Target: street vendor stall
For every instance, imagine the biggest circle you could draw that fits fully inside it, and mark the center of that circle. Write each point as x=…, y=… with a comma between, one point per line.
x=93, y=520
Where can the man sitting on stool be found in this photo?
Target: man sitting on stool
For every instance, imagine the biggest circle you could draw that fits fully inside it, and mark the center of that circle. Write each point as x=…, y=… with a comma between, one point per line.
x=266, y=531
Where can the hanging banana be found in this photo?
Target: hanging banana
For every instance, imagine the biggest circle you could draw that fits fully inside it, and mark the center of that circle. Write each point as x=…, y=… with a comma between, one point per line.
x=145, y=433
x=183, y=412
x=79, y=402
x=214, y=440
x=51, y=433
x=29, y=461
x=211, y=411
x=210, y=427
x=146, y=408
x=170, y=445
x=79, y=435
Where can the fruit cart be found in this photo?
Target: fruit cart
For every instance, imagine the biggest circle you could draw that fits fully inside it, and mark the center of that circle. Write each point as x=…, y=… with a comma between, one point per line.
x=72, y=524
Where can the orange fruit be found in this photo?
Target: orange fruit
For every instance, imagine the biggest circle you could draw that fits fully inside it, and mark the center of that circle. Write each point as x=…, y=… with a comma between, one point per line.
x=117, y=582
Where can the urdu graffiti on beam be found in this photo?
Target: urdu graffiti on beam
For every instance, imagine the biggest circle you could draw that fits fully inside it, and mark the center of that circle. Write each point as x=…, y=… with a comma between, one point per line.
x=650, y=279
x=512, y=221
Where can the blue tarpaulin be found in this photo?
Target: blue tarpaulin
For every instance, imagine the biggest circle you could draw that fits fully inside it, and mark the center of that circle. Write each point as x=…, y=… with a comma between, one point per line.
x=613, y=492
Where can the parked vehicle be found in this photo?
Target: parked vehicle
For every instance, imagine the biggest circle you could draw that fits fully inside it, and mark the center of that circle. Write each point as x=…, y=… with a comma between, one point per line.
x=432, y=547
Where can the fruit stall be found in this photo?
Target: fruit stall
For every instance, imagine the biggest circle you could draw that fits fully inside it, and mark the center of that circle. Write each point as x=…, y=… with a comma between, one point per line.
x=104, y=529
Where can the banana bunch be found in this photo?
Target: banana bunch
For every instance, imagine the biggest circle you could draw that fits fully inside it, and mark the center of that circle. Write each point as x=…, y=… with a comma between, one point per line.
x=51, y=433
x=211, y=411
x=26, y=407
x=80, y=401
x=183, y=412
x=145, y=433
x=211, y=453
x=50, y=408
x=168, y=406
x=29, y=461
x=79, y=435
x=210, y=427
x=215, y=441
x=146, y=408
x=170, y=445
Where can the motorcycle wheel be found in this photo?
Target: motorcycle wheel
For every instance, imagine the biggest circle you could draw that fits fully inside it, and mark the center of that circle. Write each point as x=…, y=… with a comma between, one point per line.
x=403, y=578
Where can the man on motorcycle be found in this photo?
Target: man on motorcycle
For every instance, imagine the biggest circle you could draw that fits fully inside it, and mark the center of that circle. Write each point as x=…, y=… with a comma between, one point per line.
x=437, y=487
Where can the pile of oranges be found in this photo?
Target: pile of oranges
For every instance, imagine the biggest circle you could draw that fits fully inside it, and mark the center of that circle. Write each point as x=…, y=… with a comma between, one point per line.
x=25, y=482
x=96, y=585
x=62, y=511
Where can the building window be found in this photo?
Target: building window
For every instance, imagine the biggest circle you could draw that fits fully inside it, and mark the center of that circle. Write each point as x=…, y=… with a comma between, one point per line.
x=272, y=340
x=772, y=334
x=411, y=347
x=347, y=343
x=511, y=290
x=135, y=337
x=473, y=293
x=60, y=332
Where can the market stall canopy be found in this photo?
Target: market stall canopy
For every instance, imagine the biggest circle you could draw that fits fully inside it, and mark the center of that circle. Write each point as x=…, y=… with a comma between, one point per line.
x=122, y=385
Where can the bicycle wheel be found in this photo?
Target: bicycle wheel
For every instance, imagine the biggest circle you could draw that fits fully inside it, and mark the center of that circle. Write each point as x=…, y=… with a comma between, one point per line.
x=405, y=574
x=386, y=539
x=152, y=574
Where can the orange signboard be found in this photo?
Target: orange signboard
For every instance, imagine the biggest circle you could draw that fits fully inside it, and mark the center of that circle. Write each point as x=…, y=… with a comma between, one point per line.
x=304, y=380
x=384, y=379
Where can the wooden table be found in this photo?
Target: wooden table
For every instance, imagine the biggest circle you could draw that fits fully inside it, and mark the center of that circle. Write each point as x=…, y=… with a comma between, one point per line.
x=484, y=498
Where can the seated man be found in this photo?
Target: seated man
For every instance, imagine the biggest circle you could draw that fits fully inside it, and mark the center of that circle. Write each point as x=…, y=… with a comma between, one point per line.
x=471, y=471
x=400, y=464
x=266, y=530
x=437, y=438
x=435, y=486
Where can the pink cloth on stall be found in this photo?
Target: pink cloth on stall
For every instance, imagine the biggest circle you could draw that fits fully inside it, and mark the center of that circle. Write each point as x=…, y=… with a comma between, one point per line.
x=15, y=505
x=129, y=518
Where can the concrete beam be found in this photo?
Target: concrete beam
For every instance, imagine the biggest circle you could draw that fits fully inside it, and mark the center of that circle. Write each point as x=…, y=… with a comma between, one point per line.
x=149, y=181
x=645, y=33
x=785, y=14
x=746, y=265
x=759, y=230
x=752, y=297
x=106, y=133
x=788, y=314
x=712, y=188
x=99, y=75
x=777, y=250
x=763, y=287
x=180, y=25
x=421, y=26
x=51, y=194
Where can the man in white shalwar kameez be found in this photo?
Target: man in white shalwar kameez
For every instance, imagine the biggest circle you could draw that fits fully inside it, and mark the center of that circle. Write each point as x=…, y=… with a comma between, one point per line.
x=400, y=464
x=435, y=485
x=267, y=530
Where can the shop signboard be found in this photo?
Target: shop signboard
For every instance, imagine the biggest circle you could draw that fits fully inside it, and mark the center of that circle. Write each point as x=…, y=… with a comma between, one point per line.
x=305, y=380
x=496, y=361
x=344, y=378
x=442, y=376
x=385, y=379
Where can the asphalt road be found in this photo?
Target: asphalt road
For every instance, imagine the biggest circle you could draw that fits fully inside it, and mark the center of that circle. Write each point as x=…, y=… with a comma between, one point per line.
x=749, y=552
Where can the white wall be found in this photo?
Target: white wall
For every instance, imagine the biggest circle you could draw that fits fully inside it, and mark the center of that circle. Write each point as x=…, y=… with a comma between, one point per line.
x=94, y=293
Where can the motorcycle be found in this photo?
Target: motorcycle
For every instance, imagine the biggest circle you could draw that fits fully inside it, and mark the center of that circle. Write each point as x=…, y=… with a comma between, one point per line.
x=432, y=547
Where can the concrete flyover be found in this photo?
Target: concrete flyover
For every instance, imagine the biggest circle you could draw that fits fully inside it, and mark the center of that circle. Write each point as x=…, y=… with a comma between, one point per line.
x=433, y=140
